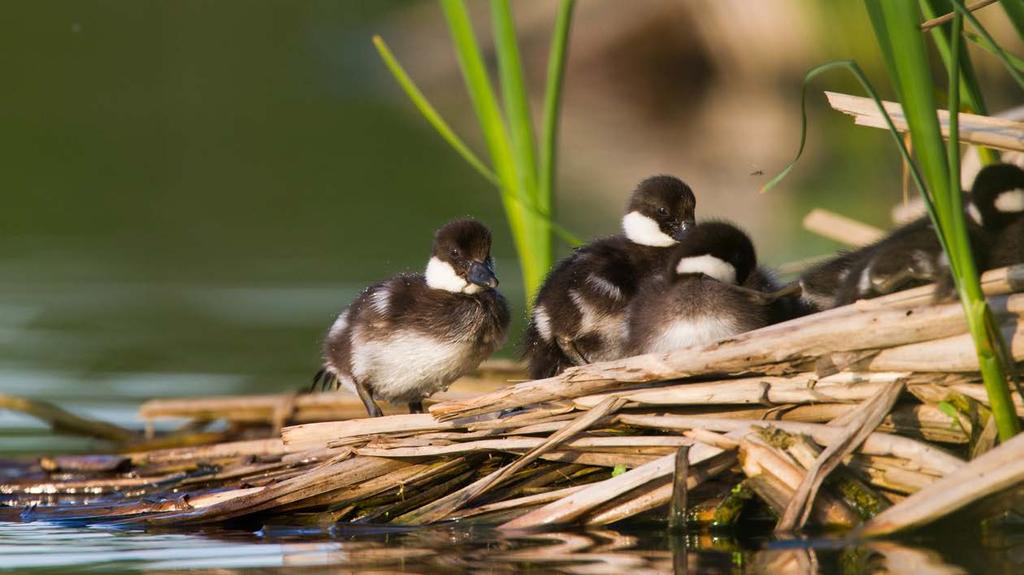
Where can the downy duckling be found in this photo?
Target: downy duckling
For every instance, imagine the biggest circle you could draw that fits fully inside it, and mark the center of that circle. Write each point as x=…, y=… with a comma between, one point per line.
x=579, y=314
x=998, y=192
x=995, y=227
x=700, y=298
x=410, y=336
x=907, y=257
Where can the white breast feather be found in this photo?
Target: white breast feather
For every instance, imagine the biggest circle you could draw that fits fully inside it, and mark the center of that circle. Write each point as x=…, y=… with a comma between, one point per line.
x=708, y=265
x=407, y=366
x=1010, y=202
x=645, y=231
x=686, y=333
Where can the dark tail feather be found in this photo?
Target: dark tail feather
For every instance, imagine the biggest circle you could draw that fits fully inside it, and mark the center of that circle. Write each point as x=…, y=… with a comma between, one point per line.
x=544, y=358
x=316, y=379
x=325, y=379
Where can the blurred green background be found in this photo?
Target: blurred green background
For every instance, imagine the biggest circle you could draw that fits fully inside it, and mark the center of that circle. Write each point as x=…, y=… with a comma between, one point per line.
x=193, y=189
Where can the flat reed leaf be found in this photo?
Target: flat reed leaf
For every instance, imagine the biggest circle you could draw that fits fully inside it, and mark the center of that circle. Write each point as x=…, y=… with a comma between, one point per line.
x=552, y=103
x=854, y=69
x=986, y=40
x=1015, y=11
x=1011, y=59
x=429, y=112
x=513, y=93
x=485, y=104
x=520, y=124
x=970, y=88
x=897, y=26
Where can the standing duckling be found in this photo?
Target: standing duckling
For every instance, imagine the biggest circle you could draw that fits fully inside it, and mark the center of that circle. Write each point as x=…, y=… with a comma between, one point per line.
x=410, y=336
x=998, y=192
x=579, y=315
x=700, y=298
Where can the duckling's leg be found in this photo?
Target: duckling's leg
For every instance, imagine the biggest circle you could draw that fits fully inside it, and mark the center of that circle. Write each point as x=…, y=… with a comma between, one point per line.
x=570, y=350
x=364, y=394
x=416, y=406
x=945, y=288
x=792, y=289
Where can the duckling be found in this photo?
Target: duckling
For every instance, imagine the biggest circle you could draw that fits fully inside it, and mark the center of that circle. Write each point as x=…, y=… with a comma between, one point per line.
x=579, y=314
x=410, y=336
x=998, y=192
x=700, y=298
x=907, y=257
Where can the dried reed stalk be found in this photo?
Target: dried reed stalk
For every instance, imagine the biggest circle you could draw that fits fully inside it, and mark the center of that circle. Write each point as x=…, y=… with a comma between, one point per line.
x=775, y=477
x=974, y=129
x=854, y=432
x=994, y=471
x=783, y=346
x=840, y=228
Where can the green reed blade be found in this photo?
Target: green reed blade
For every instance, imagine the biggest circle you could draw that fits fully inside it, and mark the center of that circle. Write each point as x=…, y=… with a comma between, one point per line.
x=899, y=24
x=488, y=113
x=970, y=88
x=993, y=357
x=1015, y=11
x=986, y=40
x=513, y=93
x=1011, y=59
x=855, y=70
x=552, y=103
x=520, y=123
x=429, y=112
x=909, y=68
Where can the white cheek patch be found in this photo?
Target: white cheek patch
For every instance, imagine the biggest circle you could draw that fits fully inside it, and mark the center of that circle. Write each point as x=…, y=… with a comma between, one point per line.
x=645, y=231
x=441, y=275
x=1010, y=202
x=975, y=214
x=708, y=265
x=542, y=321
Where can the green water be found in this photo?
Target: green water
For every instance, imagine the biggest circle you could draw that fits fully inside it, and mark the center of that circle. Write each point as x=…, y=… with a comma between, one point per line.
x=193, y=190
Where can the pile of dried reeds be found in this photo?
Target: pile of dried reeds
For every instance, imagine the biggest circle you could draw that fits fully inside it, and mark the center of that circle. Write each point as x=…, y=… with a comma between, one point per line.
x=872, y=414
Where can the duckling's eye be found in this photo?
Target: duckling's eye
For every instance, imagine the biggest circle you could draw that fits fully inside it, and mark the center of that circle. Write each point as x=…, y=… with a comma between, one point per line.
x=454, y=253
x=663, y=211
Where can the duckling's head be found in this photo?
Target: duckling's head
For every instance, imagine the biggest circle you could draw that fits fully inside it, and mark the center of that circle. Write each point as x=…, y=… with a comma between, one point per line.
x=717, y=250
x=461, y=260
x=660, y=212
x=998, y=193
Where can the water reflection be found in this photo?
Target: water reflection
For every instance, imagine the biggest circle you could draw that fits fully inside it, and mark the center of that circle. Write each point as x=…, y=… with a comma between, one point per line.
x=38, y=547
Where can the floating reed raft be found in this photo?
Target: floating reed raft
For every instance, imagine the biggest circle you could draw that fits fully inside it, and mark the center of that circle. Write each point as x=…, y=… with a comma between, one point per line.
x=870, y=416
